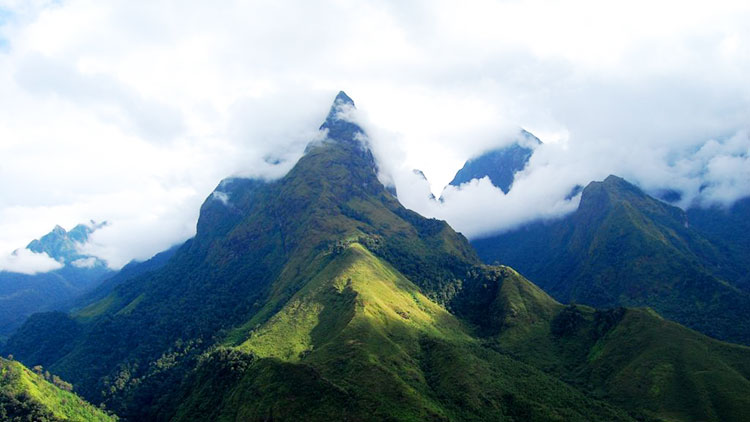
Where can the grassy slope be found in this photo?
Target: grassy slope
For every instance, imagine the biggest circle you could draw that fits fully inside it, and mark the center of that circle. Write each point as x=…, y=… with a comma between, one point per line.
x=16, y=379
x=630, y=357
x=383, y=351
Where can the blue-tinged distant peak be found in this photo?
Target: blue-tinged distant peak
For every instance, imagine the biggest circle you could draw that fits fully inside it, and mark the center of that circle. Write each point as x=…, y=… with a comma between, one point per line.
x=63, y=245
x=342, y=98
x=500, y=164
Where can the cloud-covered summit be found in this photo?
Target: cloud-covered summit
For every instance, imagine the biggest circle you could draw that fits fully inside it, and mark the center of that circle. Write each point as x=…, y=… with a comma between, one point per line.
x=500, y=164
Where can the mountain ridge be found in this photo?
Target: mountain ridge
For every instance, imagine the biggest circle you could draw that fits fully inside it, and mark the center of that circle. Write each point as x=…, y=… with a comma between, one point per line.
x=623, y=247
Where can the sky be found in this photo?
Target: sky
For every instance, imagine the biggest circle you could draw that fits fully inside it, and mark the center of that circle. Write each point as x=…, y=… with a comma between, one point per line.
x=132, y=112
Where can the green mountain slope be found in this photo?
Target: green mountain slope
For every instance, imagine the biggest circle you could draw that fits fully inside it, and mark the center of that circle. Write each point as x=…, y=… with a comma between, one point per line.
x=384, y=351
x=251, y=254
x=317, y=296
x=131, y=270
x=630, y=357
x=623, y=248
x=27, y=396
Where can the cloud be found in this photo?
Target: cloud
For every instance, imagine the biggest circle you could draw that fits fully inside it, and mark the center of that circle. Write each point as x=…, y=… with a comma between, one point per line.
x=89, y=262
x=101, y=94
x=132, y=114
x=716, y=172
x=220, y=196
x=478, y=208
x=25, y=261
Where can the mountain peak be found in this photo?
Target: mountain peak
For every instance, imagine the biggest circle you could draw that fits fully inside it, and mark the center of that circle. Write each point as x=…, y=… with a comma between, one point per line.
x=614, y=185
x=499, y=164
x=621, y=187
x=340, y=125
x=599, y=198
x=341, y=106
x=62, y=245
x=343, y=98
x=614, y=180
x=598, y=195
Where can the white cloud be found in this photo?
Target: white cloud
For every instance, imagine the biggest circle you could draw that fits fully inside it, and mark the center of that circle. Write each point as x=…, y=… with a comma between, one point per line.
x=84, y=262
x=25, y=261
x=132, y=113
x=220, y=196
x=478, y=208
x=100, y=94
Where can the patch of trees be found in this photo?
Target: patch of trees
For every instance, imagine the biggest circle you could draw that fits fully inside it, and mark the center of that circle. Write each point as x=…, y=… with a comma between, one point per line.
x=23, y=408
x=54, y=379
x=475, y=300
x=436, y=272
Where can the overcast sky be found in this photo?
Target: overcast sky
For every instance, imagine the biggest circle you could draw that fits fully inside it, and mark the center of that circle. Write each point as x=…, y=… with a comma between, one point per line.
x=132, y=112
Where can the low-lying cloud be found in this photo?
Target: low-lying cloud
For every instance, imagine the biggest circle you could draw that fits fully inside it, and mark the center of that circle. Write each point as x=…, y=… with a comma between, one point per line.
x=25, y=261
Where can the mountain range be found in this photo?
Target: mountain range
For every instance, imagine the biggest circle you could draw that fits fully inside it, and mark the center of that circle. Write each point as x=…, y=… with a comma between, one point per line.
x=318, y=296
x=622, y=247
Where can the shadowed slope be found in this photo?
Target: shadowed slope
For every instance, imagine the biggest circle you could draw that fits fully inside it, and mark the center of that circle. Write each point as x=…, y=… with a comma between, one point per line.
x=729, y=230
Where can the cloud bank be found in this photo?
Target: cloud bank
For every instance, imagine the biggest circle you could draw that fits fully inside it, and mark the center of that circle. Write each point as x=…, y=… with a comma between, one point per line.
x=132, y=113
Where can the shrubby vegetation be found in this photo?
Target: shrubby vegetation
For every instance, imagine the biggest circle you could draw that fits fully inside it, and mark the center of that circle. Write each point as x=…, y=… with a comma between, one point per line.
x=22, y=408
